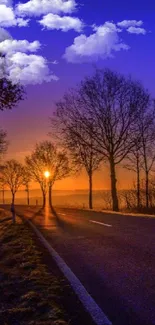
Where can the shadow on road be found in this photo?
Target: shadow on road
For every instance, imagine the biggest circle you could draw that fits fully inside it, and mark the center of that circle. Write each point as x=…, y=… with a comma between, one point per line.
x=40, y=212
x=63, y=223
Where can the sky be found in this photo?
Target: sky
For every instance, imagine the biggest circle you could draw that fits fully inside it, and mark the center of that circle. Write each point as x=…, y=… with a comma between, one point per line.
x=51, y=45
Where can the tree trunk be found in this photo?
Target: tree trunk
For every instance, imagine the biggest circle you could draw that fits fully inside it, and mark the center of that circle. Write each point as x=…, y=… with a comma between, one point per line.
x=147, y=189
x=3, y=191
x=50, y=195
x=138, y=185
x=44, y=199
x=113, y=185
x=90, y=191
x=13, y=198
x=28, y=197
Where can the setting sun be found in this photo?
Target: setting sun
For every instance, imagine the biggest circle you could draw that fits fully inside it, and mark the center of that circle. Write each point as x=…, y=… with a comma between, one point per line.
x=47, y=174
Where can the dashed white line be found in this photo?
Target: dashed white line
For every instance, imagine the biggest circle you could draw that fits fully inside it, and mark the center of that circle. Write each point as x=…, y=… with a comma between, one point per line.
x=100, y=223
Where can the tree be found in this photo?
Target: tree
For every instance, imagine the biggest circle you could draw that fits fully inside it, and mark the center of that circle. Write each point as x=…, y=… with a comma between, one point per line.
x=136, y=164
x=112, y=103
x=146, y=129
x=2, y=188
x=82, y=155
x=37, y=173
x=10, y=95
x=26, y=183
x=12, y=176
x=3, y=142
x=47, y=157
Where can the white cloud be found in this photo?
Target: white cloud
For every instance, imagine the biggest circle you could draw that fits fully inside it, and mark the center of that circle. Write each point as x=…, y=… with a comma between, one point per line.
x=128, y=23
x=65, y=23
x=11, y=45
x=4, y=35
x=101, y=44
x=8, y=3
x=7, y=16
x=136, y=30
x=43, y=7
x=18, y=66
x=22, y=22
x=28, y=69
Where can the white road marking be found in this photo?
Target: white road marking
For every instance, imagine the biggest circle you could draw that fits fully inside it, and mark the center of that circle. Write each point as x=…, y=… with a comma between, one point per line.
x=100, y=223
x=88, y=302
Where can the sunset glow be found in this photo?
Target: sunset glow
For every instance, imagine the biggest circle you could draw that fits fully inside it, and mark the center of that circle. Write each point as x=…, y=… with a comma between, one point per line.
x=47, y=174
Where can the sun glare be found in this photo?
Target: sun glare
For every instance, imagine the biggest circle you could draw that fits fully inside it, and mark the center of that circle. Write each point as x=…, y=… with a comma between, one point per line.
x=47, y=174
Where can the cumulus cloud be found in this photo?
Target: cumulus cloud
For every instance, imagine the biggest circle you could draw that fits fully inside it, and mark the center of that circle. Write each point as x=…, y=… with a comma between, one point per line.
x=7, y=16
x=4, y=35
x=27, y=69
x=10, y=45
x=136, y=30
x=21, y=67
x=65, y=23
x=43, y=7
x=101, y=44
x=22, y=22
x=7, y=2
x=128, y=23
x=16, y=64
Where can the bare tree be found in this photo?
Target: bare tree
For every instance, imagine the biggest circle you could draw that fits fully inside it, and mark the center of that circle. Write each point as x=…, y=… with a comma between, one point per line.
x=10, y=95
x=134, y=163
x=26, y=183
x=112, y=103
x=12, y=176
x=146, y=127
x=47, y=157
x=82, y=155
x=3, y=142
x=2, y=188
x=37, y=173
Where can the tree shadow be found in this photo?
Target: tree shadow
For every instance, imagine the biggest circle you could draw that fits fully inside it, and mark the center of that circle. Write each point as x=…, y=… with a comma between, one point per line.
x=6, y=219
x=40, y=212
x=64, y=224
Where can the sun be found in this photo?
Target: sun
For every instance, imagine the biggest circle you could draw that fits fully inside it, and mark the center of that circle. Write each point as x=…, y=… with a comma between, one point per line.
x=47, y=174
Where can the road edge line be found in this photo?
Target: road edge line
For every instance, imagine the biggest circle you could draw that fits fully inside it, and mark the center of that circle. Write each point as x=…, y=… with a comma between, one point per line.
x=87, y=301
x=100, y=223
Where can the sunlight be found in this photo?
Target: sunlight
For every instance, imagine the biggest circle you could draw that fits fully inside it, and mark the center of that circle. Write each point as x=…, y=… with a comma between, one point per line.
x=47, y=174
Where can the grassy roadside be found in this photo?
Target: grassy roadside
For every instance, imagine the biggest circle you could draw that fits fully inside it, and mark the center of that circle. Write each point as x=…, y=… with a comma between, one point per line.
x=30, y=293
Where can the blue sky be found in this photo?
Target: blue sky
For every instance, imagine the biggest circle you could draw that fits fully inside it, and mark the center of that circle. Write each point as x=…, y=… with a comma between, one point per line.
x=50, y=45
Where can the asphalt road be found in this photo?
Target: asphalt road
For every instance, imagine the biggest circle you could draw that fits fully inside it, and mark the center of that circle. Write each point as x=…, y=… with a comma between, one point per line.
x=112, y=255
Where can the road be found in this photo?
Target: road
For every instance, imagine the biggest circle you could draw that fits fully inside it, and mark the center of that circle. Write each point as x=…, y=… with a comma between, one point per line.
x=112, y=255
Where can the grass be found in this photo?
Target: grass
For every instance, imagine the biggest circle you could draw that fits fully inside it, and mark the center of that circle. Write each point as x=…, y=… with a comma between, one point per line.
x=30, y=295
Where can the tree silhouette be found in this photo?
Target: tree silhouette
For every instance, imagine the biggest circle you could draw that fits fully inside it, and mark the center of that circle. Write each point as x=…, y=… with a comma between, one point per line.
x=10, y=95
x=26, y=182
x=47, y=157
x=112, y=103
x=81, y=149
x=12, y=176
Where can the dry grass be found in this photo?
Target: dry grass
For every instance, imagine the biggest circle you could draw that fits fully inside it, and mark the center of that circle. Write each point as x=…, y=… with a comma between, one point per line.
x=30, y=295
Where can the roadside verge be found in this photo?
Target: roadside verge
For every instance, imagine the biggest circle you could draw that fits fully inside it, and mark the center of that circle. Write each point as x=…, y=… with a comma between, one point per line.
x=33, y=292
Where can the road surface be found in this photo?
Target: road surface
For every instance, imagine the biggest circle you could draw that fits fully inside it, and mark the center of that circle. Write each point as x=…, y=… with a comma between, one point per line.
x=112, y=255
